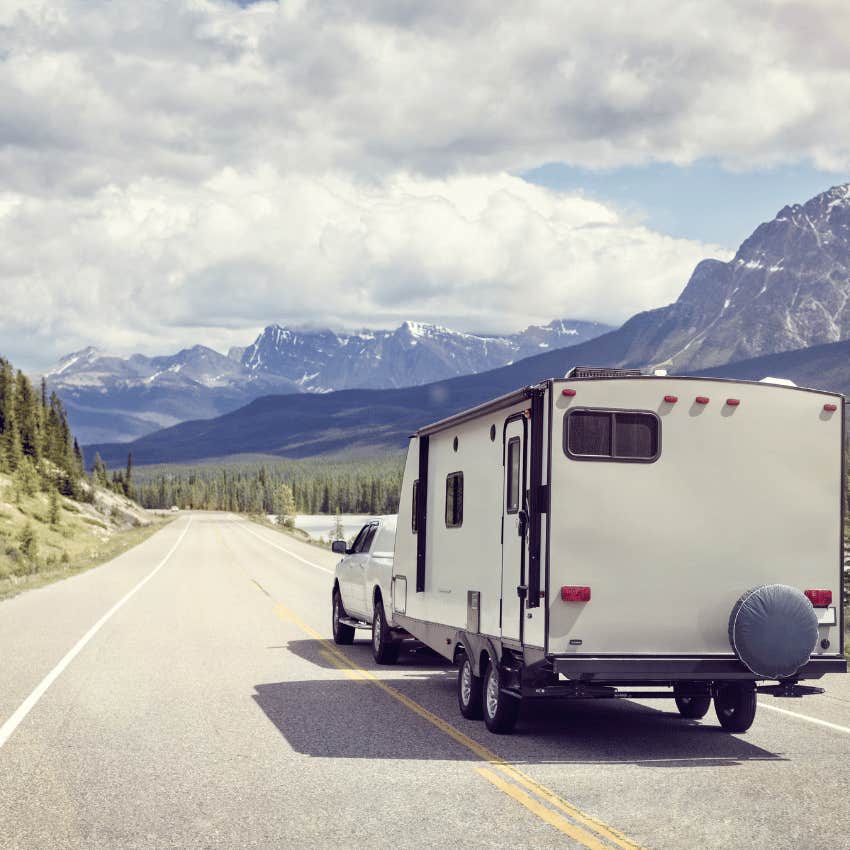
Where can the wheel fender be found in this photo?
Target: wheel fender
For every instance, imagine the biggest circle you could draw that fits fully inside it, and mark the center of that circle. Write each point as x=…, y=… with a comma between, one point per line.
x=474, y=646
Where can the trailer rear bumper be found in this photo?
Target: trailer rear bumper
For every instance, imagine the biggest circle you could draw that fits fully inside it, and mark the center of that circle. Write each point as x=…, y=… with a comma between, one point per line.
x=660, y=669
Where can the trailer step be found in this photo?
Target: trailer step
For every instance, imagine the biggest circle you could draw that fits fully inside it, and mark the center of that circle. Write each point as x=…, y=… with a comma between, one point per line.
x=789, y=689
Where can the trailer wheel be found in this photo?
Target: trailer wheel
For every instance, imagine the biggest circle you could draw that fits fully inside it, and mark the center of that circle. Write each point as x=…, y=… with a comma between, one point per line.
x=735, y=706
x=693, y=707
x=342, y=634
x=468, y=689
x=500, y=710
x=384, y=648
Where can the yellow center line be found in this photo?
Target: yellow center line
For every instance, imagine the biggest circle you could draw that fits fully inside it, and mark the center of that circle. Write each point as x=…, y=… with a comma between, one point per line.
x=601, y=829
x=552, y=818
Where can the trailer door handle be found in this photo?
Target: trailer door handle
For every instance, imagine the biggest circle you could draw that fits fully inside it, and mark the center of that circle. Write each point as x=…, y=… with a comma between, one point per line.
x=521, y=523
x=522, y=591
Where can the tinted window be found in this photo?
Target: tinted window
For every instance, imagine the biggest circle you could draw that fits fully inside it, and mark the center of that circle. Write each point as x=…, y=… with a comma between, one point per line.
x=513, y=472
x=366, y=545
x=611, y=434
x=635, y=435
x=414, y=519
x=361, y=536
x=454, y=500
x=589, y=433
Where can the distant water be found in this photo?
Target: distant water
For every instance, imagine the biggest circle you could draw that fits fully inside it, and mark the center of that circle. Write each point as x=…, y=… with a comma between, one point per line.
x=321, y=525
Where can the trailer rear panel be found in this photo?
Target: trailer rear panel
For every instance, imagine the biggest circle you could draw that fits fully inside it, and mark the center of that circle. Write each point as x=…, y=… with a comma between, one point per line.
x=746, y=489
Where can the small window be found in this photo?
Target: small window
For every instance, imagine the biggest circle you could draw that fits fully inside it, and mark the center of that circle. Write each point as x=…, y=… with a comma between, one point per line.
x=622, y=435
x=357, y=545
x=513, y=473
x=414, y=519
x=454, y=500
x=366, y=544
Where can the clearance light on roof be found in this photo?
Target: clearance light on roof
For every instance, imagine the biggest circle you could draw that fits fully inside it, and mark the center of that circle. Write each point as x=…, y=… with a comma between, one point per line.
x=671, y=399
x=830, y=408
x=568, y=392
x=701, y=399
x=819, y=598
x=572, y=593
x=733, y=402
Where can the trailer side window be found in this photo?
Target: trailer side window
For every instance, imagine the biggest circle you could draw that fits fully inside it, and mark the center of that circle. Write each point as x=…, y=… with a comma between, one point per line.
x=454, y=500
x=512, y=500
x=622, y=435
x=414, y=525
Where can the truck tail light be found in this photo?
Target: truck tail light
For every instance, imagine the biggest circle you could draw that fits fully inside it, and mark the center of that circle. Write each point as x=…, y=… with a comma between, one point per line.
x=569, y=393
x=819, y=598
x=573, y=593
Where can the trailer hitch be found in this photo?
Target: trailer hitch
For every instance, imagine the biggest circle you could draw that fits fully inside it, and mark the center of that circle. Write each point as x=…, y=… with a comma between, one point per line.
x=789, y=688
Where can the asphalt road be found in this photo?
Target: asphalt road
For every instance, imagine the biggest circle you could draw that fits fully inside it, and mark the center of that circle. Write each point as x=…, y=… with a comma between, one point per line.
x=209, y=709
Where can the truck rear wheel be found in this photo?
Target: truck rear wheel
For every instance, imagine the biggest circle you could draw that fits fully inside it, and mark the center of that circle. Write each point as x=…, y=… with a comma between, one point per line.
x=693, y=707
x=384, y=648
x=342, y=634
x=500, y=710
x=735, y=706
x=468, y=689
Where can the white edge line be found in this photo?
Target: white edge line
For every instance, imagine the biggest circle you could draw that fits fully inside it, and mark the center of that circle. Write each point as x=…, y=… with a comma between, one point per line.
x=291, y=554
x=9, y=727
x=833, y=726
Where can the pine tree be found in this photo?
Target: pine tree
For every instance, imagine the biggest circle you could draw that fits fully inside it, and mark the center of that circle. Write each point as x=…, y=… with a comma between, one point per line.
x=54, y=507
x=128, y=477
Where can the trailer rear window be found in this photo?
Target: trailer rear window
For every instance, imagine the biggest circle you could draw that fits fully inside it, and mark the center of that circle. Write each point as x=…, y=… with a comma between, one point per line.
x=512, y=505
x=618, y=435
x=454, y=500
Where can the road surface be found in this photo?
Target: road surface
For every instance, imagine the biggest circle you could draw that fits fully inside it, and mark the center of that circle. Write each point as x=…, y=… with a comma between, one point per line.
x=187, y=695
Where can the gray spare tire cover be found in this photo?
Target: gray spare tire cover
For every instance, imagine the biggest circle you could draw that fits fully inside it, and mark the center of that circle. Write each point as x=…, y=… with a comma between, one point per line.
x=773, y=630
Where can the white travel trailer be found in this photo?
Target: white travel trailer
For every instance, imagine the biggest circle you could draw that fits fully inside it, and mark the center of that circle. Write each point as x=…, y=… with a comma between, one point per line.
x=612, y=534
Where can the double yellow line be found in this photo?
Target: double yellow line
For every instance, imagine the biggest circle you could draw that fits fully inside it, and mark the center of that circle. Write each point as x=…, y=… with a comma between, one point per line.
x=536, y=798
x=545, y=804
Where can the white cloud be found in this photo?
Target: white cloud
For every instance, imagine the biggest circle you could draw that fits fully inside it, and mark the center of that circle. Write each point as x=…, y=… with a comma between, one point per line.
x=176, y=171
x=157, y=263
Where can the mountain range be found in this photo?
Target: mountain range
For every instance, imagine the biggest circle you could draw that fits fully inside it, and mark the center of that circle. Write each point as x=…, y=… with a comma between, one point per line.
x=113, y=399
x=779, y=306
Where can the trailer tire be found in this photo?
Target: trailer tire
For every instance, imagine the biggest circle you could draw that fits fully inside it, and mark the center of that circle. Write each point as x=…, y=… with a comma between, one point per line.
x=735, y=706
x=690, y=706
x=343, y=635
x=468, y=689
x=384, y=649
x=500, y=710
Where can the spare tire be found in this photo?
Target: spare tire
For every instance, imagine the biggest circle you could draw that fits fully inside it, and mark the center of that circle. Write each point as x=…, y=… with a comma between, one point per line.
x=773, y=630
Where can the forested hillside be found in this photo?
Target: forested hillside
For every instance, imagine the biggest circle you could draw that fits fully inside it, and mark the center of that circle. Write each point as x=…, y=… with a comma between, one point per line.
x=53, y=520
x=281, y=487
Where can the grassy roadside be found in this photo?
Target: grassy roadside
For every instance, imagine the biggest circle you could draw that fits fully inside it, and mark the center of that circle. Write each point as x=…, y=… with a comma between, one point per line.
x=46, y=537
x=119, y=543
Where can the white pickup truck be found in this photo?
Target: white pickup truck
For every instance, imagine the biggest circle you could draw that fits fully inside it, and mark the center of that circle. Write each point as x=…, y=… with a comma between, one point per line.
x=361, y=592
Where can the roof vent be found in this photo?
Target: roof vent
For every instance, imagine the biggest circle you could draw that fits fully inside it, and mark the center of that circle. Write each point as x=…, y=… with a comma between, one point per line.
x=782, y=382
x=601, y=372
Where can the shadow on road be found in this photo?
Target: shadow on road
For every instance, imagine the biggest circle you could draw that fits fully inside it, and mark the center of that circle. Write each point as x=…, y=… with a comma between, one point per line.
x=343, y=717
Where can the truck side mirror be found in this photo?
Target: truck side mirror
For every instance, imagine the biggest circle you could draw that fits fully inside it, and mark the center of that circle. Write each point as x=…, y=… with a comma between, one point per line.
x=339, y=547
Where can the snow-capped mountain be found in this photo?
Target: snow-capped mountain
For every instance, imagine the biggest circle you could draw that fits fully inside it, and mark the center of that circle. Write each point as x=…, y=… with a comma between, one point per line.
x=787, y=287
x=412, y=354
x=111, y=398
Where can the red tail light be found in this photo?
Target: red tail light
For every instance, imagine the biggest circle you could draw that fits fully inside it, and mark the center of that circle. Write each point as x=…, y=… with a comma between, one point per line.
x=733, y=402
x=568, y=392
x=701, y=399
x=572, y=593
x=819, y=598
x=830, y=408
x=671, y=399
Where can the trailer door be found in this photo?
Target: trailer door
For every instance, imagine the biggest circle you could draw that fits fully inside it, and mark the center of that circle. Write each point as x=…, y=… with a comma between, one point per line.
x=514, y=527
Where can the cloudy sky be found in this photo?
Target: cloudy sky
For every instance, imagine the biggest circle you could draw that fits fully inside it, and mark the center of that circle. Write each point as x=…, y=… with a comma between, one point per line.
x=188, y=171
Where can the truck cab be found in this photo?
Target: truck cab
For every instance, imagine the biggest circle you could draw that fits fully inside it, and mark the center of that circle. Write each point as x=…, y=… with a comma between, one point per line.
x=361, y=597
